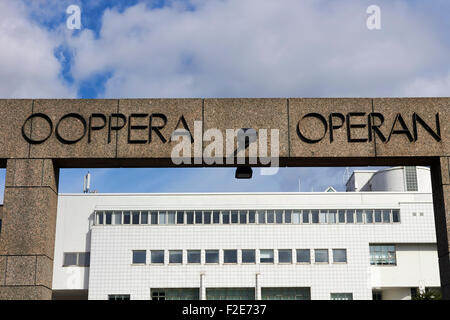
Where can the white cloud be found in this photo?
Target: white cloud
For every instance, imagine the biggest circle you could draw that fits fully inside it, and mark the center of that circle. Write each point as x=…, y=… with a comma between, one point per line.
x=260, y=48
x=28, y=67
x=429, y=86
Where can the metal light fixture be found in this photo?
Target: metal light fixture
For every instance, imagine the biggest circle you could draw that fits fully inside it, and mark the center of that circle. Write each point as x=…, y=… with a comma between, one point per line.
x=243, y=172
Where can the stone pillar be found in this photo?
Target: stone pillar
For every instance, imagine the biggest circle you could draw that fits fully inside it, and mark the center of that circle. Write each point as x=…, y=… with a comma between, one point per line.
x=28, y=233
x=441, y=200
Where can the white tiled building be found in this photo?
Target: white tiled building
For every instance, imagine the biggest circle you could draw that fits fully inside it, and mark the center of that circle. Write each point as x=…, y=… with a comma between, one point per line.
x=377, y=240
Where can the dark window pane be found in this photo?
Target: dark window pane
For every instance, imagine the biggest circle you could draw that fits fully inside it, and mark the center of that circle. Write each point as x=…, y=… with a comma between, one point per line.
x=387, y=216
x=287, y=216
x=84, y=259
x=175, y=256
x=252, y=216
x=321, y=255
x=190, y=217
x=207, y=217
x=350, y=216
x=230, y=256
x=315, y=216
x=248, y=256
x=395, y=215
x=270, y=216
x=144, y=217
x=157, y=256
x=126, y=217
x=198, y=217
x=341, y=216
x=193, y=256
x=279, y=216
x=180, y=217
x=234, y=216
x=70, y=259
x=108, y=217
x=369, y=216
x=243, y=216
x=359, y=216
x=99, y=217
x=135, y=219
x=284, y=256
x=339, y=255
x=225, y=217
x=216, y=217
x=154, y=217
x=305, y=216
x=377, y=215
x=212, y=256
x=139, y=256
x=303, y=255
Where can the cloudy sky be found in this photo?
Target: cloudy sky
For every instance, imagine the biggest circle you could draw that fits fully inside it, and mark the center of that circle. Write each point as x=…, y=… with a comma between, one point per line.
x=221, y=48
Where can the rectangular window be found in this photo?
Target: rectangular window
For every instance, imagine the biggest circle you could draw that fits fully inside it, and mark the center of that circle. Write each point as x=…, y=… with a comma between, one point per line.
x=139, y=256
x=117, y=217
x=126, y=217
x=119, y=297
x=193, y=256
x=303, y=256
x=315, y=216
x=284, y=256
x=135, y=217
x=198, y=217
x=70, y=259
x=395, y=216
x=359, y=216
x=175, y=256
x=212, y=256
x=157, y=256
x=108, y=217
x=251, y=216
x=331, y=216
x=340, y=255
x=341, y=296
x=386, y=216
x=261, y=216
x=321, y=255
x=144, y=217
x=369, y=216
x=207, y=217
x=229, y=256
x=279, y=216
x=323, y=216
x=190, y=217
x=341, y=215
x=266, y=256
x=243, y=216
x=216, y=217
x=154, y=217
x=171, y=217
x=84, y=259
x=305, y=215
x=226, y=217
x=180, y=217
x=234, y=216
x=382, y=255
x=270, y=216
x=377, y=215
x=350, y=216
x=287, y=216
x=296, y=217
x=248, y=256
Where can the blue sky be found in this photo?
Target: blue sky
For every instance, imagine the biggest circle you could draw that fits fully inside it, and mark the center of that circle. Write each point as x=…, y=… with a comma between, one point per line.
x=221, y=48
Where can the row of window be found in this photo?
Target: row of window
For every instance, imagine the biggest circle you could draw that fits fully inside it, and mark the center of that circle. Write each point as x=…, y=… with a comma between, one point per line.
x=247, y=256
x=291, y=216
